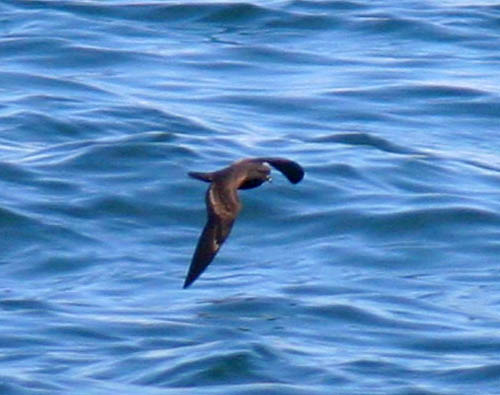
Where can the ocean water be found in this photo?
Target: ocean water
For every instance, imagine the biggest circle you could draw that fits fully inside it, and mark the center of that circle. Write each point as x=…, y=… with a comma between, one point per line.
x=379, y=273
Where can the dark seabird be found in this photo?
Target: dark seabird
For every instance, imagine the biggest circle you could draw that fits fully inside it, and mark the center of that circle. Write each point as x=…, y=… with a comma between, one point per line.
x=223, y=204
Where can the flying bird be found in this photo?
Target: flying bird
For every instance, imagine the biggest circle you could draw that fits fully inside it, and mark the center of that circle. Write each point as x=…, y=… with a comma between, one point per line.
x=223, y=203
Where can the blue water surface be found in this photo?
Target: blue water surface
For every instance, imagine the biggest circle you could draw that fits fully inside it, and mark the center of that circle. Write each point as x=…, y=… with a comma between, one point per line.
x=377, y=274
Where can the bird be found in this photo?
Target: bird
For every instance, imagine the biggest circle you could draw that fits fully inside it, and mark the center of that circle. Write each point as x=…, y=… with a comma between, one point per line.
x=223, y=203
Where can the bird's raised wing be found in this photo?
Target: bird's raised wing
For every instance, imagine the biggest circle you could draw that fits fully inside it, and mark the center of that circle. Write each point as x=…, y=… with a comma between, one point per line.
x=290, y=169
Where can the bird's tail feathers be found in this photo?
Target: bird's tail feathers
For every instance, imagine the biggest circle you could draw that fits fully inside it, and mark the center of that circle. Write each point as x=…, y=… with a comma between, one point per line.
x=207, y=177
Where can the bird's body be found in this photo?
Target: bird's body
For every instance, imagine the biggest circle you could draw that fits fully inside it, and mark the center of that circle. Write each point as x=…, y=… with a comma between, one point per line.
x=223, y=203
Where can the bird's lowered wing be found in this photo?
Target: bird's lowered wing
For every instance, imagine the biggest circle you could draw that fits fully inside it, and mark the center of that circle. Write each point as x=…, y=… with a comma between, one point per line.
x=216, y=230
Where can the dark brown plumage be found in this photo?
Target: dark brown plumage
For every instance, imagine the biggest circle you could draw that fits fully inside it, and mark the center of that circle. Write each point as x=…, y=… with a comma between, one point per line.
x=223, y=204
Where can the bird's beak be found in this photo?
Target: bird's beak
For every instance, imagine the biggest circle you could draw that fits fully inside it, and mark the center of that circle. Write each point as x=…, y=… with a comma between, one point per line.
x=269, y=178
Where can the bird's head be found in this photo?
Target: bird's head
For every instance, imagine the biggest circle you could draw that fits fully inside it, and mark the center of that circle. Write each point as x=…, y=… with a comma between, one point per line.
x=256, y=174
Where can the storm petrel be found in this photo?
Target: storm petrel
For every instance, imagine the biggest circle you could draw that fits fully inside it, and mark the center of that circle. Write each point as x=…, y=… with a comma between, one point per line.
x=223, y=204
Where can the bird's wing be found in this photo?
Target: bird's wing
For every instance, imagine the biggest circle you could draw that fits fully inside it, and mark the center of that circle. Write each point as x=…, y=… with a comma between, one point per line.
x=292, y=170
x=218, y=226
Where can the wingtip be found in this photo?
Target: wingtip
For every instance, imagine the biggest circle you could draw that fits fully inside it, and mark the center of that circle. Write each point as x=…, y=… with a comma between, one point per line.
x=187, y=282
x=290, y=169
x=296, y=175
